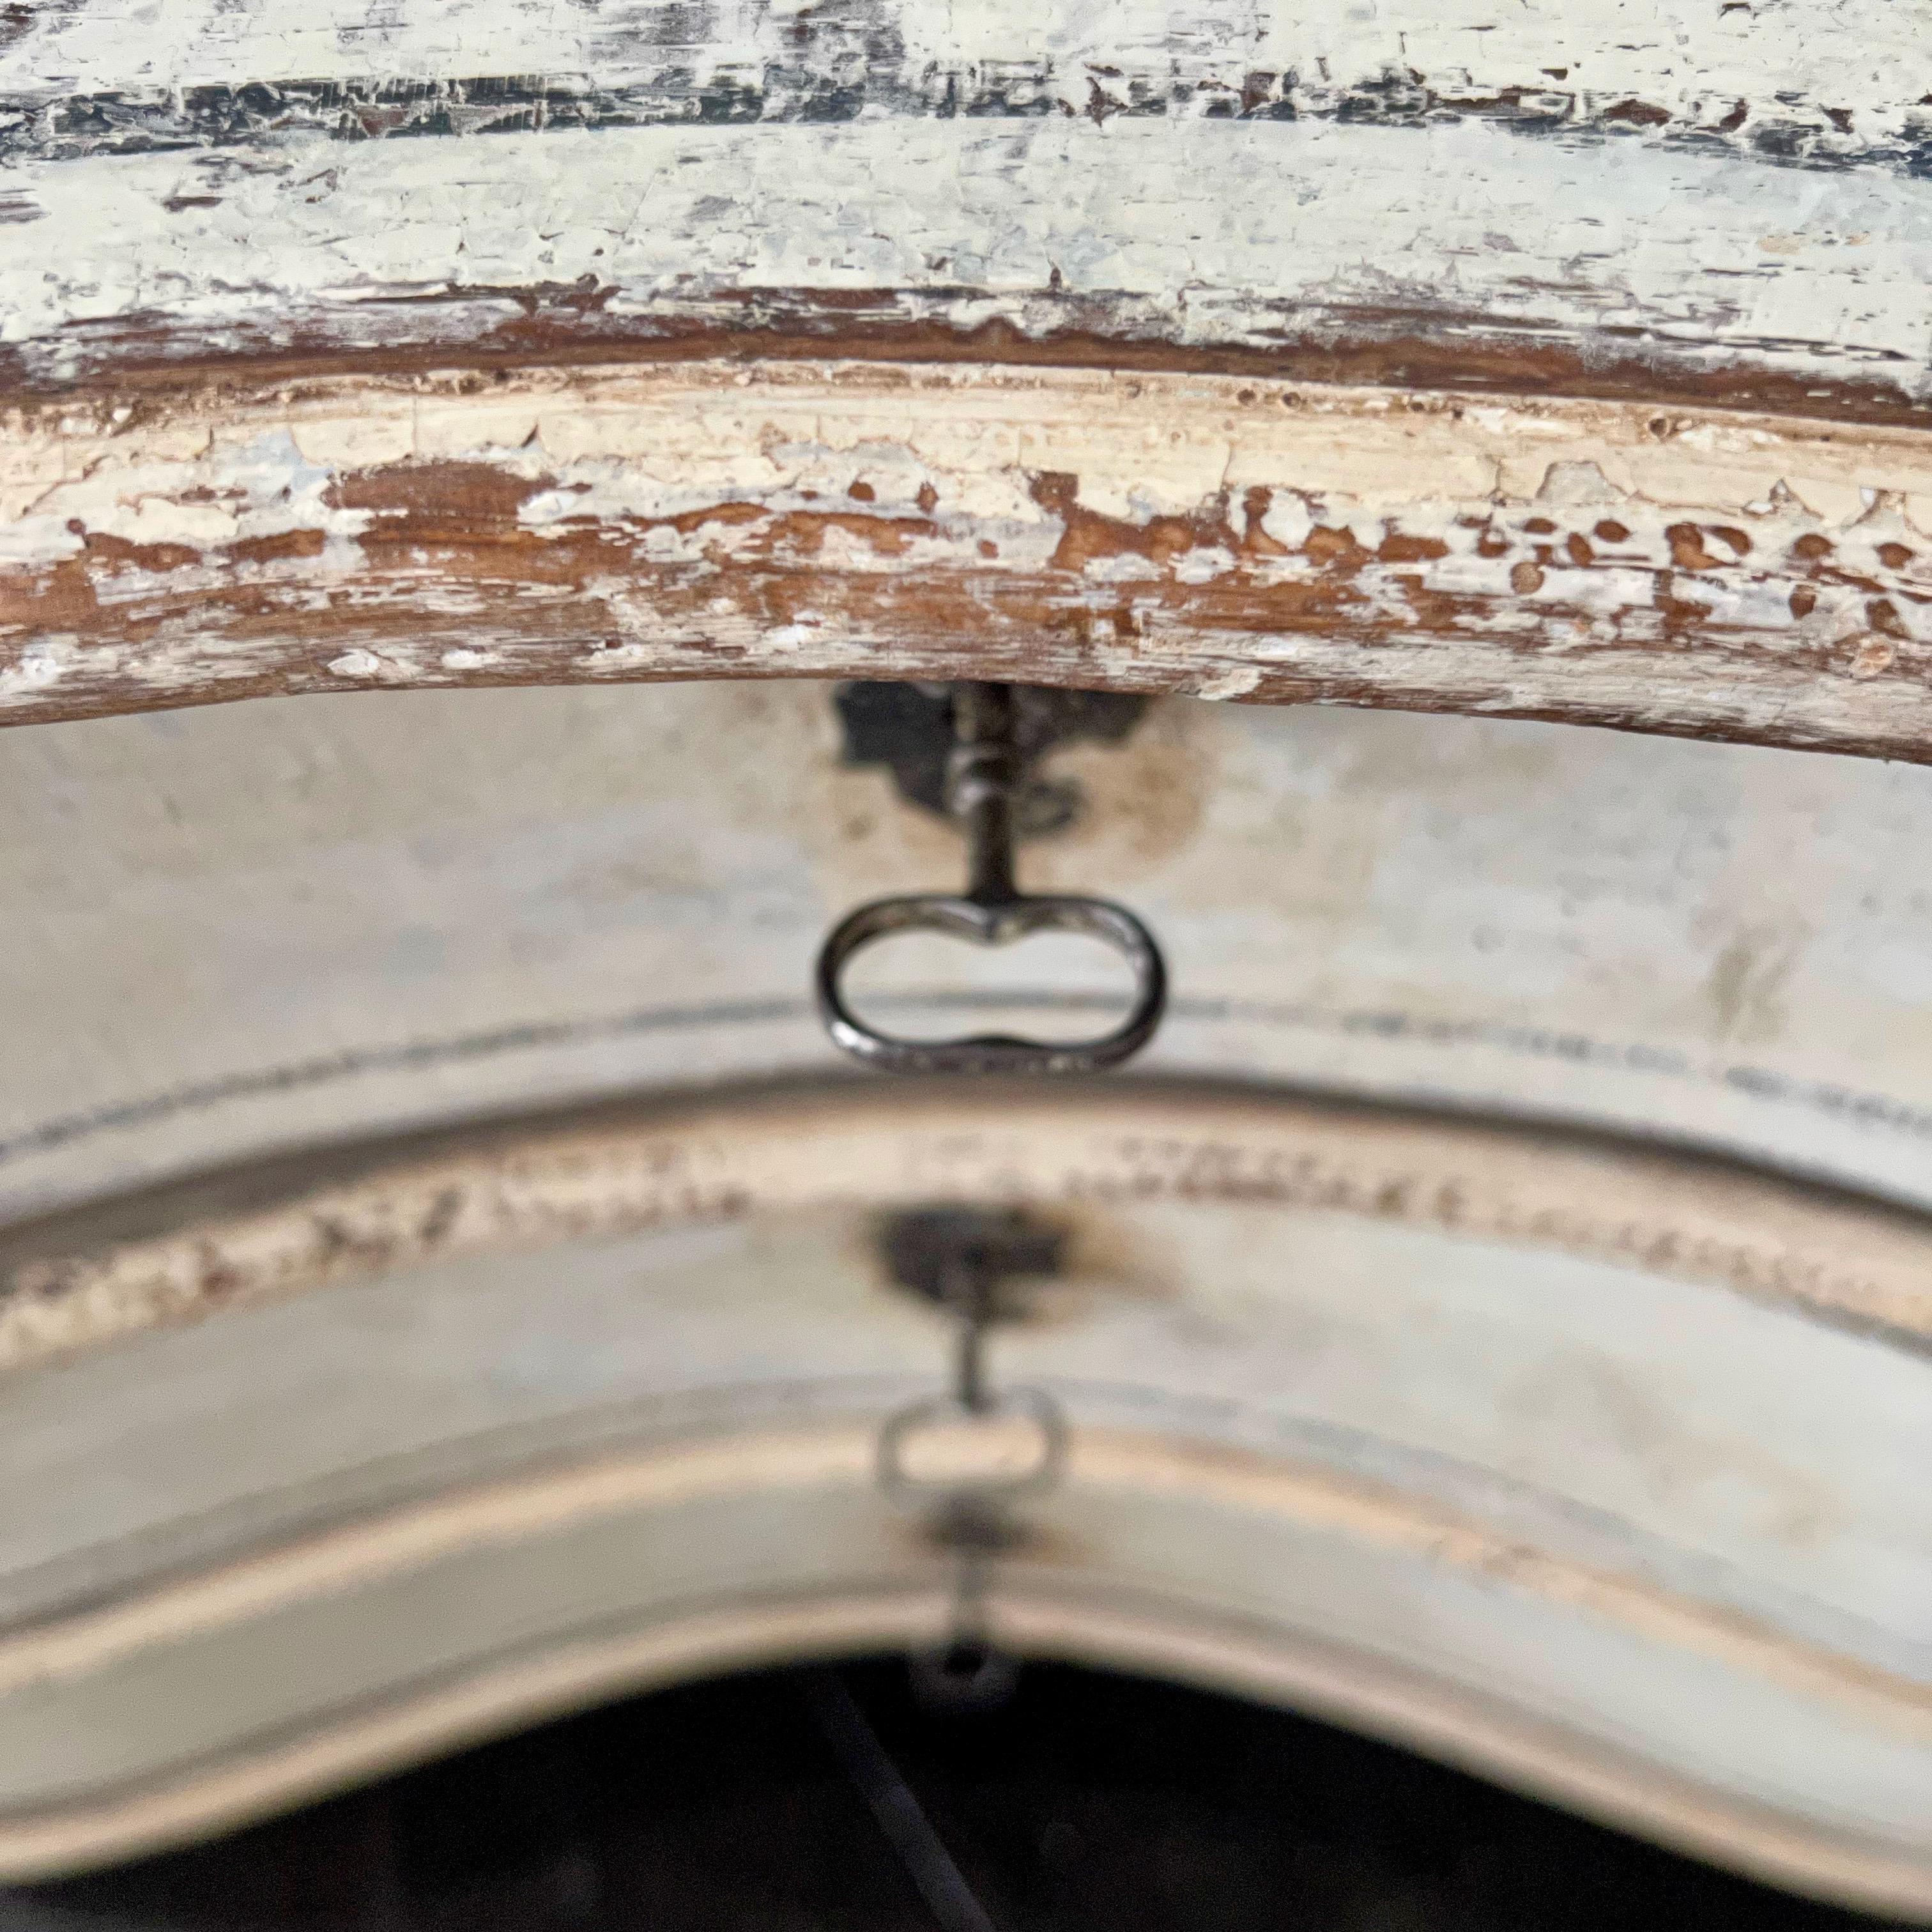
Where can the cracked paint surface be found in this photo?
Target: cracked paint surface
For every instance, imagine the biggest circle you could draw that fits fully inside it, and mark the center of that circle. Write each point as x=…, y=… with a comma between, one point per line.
x=1741, y=576
x=1268, y=237
x=1750, y=187
x=1800, y=82
x=1438, y=216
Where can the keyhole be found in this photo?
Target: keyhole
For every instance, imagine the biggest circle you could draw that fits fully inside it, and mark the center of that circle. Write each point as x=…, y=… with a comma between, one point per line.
x=966, y=1674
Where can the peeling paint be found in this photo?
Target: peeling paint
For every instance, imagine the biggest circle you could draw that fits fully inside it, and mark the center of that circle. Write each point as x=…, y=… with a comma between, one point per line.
x=1712, y=572
x=1272, y=238
x=1786, y=81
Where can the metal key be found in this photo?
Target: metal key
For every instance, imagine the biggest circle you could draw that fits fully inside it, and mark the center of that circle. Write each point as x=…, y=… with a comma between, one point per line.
x=985, y=773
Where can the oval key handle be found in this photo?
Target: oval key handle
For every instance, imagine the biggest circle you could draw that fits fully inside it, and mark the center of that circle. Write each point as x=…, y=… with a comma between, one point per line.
x=992, y=922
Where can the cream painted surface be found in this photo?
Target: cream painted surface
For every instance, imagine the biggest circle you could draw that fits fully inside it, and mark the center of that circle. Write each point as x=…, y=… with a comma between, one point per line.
x=1643, y=1535
x=1602, y=1472
x=1633, y=1521
x=1165, y=1641
x=75, y=1286
x=1746, y=1456
x=247, y=928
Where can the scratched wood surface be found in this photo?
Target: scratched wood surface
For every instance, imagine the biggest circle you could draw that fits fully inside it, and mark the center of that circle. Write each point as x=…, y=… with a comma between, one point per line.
x=419, y=344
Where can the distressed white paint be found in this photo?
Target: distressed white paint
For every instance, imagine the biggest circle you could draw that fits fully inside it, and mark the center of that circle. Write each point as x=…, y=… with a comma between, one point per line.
x=1194, y=232
x=234, y=934
x=64, y=1292
x=1869, y=56
x=1426, y=1380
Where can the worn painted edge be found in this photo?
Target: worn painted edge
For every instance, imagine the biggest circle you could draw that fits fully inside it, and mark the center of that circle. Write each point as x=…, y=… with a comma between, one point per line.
x=1722, y=574
x=90, y=1277
x=1096, y=1625
x=1279, y=240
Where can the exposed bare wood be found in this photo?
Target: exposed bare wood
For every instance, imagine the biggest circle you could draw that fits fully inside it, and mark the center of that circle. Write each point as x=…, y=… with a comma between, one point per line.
x=1722, y=233
x=1708, y=572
